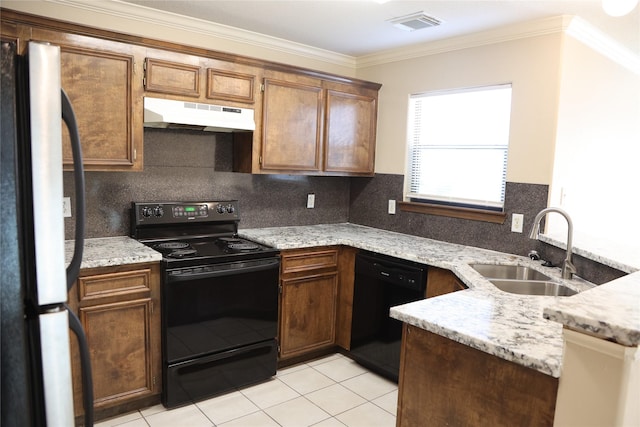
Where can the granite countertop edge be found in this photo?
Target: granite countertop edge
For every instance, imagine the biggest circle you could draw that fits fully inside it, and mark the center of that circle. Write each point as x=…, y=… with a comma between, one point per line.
x=112, y=251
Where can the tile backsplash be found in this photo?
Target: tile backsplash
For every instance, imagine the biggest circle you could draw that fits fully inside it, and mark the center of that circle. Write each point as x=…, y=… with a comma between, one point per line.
x=189, y=166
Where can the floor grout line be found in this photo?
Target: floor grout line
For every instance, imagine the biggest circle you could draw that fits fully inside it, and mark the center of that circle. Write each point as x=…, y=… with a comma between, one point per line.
x=277, y=377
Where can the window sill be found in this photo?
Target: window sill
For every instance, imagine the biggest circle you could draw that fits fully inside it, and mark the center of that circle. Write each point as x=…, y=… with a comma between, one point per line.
x=454, y=212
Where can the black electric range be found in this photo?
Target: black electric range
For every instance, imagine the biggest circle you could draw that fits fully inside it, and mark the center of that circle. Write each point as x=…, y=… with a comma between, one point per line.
x=219, y=296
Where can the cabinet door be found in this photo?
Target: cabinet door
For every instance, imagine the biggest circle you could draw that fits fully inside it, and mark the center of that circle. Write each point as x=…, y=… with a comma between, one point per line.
x=119, y=308
x=171, y=77
x=350, y=133
x=105, y=89
x=230, y=85
x=119, y=337
x=308, y=315
x=292, y=126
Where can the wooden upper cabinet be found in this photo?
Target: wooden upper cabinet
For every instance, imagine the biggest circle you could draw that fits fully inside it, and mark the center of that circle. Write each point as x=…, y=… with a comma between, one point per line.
x=350, y=137
x=315, y=126
x=196, y=78
x=171, y=77
x=103, y=84
x=291, y=126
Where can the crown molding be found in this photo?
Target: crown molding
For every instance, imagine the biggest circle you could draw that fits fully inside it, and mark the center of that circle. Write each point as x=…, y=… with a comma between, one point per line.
x=570, y=25
x=535, y=28
x=597, y=40
x=147, y=15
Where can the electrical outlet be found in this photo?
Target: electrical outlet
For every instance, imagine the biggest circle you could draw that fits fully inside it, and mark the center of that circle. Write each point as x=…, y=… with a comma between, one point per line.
x=311, y=201
x=66, y=207
x=517, y=221
x=392, y=207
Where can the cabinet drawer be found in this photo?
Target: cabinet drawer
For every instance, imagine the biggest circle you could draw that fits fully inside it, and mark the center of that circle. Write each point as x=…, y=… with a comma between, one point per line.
x=111, y=284
x=309, y=260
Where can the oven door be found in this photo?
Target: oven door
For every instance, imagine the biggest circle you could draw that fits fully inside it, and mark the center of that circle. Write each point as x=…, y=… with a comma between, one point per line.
x=219, y=321
x=219, y=307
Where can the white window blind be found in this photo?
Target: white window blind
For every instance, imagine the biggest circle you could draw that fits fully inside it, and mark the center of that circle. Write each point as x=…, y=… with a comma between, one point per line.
x=457, y=145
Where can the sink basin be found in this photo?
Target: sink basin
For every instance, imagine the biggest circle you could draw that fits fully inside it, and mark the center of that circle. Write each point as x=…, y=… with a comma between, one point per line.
x=521, y=280
x=533, y=287
x=509, y=272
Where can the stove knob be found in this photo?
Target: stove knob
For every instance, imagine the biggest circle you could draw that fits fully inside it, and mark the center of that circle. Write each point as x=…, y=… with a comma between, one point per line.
x=158, y=211
x=231, y=209
x=221, y=209
x=147, y=211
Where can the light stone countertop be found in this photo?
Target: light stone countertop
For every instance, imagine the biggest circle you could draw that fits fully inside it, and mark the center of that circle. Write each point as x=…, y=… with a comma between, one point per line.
x=522, y=329
x=513, y=327
x=112, y=251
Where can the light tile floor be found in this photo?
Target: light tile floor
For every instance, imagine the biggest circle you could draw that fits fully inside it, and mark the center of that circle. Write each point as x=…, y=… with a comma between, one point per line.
x=327, y=392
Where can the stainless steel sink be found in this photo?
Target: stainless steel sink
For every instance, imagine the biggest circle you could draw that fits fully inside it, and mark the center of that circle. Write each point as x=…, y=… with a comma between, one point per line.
x=533, y=287
x=509, y=272
x=521, y=280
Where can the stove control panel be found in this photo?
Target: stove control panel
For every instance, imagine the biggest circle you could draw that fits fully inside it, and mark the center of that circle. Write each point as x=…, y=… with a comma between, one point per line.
x=181, y=212
x=190, y=211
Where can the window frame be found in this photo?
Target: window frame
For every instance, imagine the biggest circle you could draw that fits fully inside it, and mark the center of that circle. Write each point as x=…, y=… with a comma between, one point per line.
x=455, y=207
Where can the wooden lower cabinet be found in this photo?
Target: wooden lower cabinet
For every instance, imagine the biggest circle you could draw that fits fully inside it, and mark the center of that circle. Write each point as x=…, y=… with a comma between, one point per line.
x=441, y=281
x=443, y=382
x=119, y=309
x=308, y=300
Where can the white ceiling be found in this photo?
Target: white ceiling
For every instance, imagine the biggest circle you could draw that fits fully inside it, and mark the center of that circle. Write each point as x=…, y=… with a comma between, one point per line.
x=360, y=27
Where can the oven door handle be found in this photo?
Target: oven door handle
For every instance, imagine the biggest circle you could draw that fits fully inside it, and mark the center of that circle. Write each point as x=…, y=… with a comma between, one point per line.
x=226, y=269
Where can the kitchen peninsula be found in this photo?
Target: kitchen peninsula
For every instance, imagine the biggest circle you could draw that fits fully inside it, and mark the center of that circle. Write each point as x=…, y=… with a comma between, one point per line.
x=525, y=330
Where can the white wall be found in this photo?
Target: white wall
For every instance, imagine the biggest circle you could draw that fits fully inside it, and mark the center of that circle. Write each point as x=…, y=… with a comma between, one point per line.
x=596, y=174
x=531, y=64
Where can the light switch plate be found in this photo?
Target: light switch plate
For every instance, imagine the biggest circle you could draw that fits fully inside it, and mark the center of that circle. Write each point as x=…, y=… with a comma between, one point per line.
x=392, y=207
x=311, y=201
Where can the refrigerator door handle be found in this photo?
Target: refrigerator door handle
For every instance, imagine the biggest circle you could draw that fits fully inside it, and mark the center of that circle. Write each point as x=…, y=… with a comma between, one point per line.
x=69, y=117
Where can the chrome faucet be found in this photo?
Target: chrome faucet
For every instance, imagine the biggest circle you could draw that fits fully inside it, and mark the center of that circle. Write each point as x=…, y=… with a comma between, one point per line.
x=568, y=269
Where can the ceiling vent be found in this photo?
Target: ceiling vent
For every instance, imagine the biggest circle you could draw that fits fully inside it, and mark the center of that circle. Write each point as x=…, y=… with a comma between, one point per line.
x=415, y=21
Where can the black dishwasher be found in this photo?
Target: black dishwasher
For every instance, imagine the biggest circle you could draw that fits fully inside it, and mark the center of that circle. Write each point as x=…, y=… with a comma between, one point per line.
x=382, y=282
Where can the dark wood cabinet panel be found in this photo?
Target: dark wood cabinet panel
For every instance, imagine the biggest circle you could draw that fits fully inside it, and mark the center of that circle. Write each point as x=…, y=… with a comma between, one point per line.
x=119, y=336
x=292, y=126
x=99, y=76
x=171, y=77
x=443, y=382
x=308, y=314
x=230, y=86
x=441, y=281
x=350, y=140
x=119, y=309
x=308, y=300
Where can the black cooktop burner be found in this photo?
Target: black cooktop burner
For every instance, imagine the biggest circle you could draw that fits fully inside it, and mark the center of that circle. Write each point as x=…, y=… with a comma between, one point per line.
x=182, y=253
x=235, y=244
x=172, y=245
x=175, y=249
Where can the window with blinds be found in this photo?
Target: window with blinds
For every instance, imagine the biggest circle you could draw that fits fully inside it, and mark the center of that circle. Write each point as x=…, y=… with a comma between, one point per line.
x=458, y=143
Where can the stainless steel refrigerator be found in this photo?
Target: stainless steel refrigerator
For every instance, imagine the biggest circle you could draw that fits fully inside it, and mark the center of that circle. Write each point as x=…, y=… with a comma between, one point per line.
x=36, y=356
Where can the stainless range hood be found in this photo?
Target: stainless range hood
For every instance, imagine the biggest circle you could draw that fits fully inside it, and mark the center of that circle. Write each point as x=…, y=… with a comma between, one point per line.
x=168, y=113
